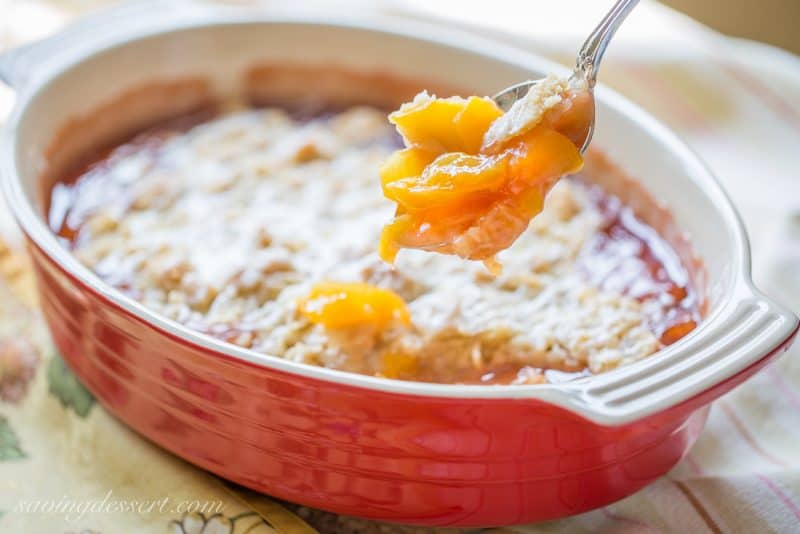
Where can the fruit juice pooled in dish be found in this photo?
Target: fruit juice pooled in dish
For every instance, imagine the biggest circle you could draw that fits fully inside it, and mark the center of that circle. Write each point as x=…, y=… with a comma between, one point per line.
x=472, y=177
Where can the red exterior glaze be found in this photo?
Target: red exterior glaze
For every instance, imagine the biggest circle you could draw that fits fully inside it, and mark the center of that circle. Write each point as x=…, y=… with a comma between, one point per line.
x=386, y=456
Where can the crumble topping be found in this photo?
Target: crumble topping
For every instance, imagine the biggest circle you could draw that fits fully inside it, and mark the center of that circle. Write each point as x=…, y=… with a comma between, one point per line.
x=528, y=111
x=226, y=227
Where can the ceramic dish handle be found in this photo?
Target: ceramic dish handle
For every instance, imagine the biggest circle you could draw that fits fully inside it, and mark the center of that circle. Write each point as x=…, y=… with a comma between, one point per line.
x=746, y=332
x=19, y=65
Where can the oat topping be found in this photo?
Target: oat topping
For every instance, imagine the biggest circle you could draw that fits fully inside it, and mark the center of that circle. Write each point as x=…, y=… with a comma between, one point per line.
x=227, y=226
x=528, y=111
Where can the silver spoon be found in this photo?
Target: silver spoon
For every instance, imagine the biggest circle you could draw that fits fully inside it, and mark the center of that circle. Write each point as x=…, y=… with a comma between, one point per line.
x=586, y=66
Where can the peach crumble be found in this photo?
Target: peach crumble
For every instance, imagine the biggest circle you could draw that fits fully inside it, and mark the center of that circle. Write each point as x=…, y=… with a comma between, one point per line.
x=259, y=228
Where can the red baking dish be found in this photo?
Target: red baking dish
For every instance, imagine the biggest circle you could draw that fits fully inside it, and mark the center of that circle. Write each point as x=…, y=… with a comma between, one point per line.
x=409, y=452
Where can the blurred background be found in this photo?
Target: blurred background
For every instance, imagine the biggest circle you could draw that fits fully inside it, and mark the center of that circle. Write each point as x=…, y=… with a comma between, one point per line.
x=774, y=22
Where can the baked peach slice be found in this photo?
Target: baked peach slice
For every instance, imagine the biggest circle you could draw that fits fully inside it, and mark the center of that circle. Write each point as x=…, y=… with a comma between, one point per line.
x=338, y=305
x=471, y=178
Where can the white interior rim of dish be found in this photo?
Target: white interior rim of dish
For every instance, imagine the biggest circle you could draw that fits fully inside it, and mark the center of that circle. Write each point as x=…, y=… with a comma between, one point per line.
x=566, y=395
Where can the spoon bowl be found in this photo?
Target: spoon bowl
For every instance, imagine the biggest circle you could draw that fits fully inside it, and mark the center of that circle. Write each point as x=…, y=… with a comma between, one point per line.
x=584, y=76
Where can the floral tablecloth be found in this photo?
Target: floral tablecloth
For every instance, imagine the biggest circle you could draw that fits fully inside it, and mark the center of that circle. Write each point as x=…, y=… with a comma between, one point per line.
x=67, y=466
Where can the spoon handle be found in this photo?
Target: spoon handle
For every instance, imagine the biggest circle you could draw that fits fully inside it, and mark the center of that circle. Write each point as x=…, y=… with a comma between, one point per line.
x=591, y=52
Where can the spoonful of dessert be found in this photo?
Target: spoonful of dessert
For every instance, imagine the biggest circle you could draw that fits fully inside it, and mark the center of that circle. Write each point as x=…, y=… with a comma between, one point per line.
x=475, y=171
